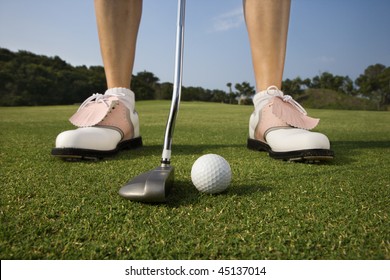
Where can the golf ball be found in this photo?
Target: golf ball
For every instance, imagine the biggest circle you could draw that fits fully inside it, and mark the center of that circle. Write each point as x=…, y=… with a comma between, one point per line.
x=211, y=174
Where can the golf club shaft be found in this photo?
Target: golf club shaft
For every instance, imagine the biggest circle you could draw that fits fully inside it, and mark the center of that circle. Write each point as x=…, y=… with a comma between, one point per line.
x=166, y=155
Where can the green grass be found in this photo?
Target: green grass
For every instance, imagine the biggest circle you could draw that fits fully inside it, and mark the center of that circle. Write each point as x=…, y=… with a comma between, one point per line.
x=52, y=209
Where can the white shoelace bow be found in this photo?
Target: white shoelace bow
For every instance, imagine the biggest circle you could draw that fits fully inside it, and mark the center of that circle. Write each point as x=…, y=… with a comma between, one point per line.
x=103, y=98
x=287, y=99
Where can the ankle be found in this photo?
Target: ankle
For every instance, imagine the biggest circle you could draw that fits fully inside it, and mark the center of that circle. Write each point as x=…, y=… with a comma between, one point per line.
x=262, y=97
x=125, y=95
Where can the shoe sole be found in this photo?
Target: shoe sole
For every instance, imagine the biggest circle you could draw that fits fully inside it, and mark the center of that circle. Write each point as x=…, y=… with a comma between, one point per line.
x=310, y=155
x=75, y=154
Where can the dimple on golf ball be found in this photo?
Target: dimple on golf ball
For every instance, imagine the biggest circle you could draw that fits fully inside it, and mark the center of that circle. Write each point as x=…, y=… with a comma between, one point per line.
x=211, y=174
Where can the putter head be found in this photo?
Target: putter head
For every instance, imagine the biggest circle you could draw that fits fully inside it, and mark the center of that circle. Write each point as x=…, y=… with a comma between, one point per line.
x=152, y=186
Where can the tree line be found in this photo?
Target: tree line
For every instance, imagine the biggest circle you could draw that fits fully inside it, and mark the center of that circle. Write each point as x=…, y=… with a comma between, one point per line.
x=28, y=79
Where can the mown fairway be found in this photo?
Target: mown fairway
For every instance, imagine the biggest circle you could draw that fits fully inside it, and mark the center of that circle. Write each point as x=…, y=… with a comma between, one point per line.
x=51, y=209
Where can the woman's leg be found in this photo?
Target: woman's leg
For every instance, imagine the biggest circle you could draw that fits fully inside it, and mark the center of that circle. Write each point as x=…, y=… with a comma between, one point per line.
x=278, y=125
x=267, y=24
x=118, y=23
x=103, y=131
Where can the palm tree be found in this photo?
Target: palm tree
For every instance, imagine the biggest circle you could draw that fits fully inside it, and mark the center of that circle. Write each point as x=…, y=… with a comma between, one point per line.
x=231, y=94
x=229, y=85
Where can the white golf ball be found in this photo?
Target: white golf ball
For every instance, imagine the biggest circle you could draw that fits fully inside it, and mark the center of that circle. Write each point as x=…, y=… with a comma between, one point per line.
x=211, y=174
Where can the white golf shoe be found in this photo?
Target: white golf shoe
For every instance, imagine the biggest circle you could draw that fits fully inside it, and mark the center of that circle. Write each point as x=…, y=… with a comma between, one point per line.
x=106, y=124
x=280, y=126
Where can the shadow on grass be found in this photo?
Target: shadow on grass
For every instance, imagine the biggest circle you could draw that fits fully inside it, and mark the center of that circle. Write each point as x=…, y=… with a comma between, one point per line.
x=346, y=151
x=353, y=145
x=156, y=150
x=180, y=149
x=184, y=193
x=177, y=150
x=343, y=149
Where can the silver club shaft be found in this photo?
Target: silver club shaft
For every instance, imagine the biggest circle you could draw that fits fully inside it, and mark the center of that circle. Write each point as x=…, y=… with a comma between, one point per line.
x=176, y=95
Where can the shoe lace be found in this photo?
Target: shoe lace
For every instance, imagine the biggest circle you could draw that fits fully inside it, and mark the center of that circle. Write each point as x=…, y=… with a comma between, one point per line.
x=288, y=99
x=104, y=98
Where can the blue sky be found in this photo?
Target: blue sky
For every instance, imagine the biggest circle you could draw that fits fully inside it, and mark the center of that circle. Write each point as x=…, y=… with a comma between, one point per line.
x=339, y=36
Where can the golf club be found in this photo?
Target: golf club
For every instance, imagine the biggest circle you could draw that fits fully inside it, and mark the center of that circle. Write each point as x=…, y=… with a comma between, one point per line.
x=154, y=185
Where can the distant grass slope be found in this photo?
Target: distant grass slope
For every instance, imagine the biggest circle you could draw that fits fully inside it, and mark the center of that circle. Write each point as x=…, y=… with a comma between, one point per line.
x=330, y=99
x=50, y=209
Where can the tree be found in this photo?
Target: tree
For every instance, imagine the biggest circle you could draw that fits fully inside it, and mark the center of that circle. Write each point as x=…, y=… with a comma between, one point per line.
x=245, y=91
x=196, y=94
x=348, y=86
x=231, y=95
x=229, y=85
x=375, y=84
x=29, y=79
x=145, y=85
x=219, y=96
x=326, y=80
x=165, y=91
x=295, y=87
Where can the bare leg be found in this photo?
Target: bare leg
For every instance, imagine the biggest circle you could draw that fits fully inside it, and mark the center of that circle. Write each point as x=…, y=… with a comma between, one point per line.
x=102, y=131
x=274, y=128
x=267, y=24
x=118, y=23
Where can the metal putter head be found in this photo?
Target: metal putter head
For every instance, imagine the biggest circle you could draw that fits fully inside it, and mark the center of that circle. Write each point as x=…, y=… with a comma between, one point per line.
x=152, y=186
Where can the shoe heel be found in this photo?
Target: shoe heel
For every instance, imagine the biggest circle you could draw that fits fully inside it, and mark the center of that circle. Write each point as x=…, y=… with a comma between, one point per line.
x=257, y=145
x=131, y=144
